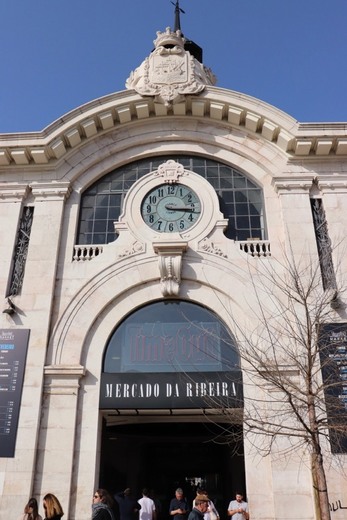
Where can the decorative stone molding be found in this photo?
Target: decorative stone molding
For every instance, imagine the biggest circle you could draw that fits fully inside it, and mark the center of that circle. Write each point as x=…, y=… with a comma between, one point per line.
x=290, y=185
x=171, y=171
x=14, y=192
x=210, y=247
x=135, y=247
x=51, y=190
x=63, y=379
x=332, y=184
x=304, y=141
x=170, y=265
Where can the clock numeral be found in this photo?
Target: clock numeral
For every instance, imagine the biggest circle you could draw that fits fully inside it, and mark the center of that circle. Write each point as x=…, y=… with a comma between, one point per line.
x=171, y=226
x=159, y=224
x=190, y=198
x=181, y=224
x=191, y=218
x=160, y=192
x=153, y=199
x=149, y=209
x=171, y=190
x=151, y=219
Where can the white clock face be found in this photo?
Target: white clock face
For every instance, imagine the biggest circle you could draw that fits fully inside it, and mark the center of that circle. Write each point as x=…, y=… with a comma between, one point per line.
x=171, y=208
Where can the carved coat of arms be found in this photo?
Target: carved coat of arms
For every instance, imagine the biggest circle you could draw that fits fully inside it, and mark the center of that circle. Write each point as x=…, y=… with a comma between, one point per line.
x=170, y=72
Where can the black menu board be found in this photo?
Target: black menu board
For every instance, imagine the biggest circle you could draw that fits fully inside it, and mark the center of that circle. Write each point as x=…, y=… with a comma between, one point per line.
x=13, y=352
x=333, y=355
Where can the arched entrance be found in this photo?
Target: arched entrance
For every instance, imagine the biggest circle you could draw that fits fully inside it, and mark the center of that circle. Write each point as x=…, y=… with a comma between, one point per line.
x=171, y=396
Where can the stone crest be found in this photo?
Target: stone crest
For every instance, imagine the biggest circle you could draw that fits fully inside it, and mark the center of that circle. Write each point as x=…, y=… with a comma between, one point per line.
x=170, y=72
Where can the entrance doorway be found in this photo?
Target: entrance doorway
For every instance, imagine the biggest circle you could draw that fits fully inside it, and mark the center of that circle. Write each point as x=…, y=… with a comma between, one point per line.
x=165, y=455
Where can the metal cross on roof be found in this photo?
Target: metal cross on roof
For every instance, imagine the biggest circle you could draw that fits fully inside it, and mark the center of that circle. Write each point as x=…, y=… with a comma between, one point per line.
x=178, y=12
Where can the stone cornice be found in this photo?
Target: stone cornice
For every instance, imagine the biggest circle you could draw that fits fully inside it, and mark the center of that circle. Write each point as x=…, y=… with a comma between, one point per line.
x=284, y=185
x=13, y=192
x=336, y=184
x=220, y=106
x=51, y=190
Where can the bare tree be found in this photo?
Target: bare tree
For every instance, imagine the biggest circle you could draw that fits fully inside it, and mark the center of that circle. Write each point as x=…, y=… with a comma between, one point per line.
x=294, y=362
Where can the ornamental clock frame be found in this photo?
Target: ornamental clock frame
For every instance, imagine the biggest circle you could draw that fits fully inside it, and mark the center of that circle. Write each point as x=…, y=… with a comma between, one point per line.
x=170, y=204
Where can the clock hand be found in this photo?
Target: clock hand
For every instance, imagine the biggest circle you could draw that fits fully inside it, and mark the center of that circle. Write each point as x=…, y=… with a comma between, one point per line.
x=180, y=208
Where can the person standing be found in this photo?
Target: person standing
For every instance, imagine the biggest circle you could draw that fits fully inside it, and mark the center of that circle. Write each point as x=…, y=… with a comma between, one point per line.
x=102, y=505
x=52, y=507
x=238, y=509
x=157, y=503
x=200, y=508
x=31, y=511
x=211, y=513
x=179, y=506
x=147, y=511
x=128, y=506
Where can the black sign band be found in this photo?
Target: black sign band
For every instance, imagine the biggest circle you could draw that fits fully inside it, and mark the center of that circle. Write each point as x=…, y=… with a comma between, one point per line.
x=171, y=390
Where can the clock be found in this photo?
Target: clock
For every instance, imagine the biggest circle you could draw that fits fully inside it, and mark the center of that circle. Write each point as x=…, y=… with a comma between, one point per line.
x=171, y=208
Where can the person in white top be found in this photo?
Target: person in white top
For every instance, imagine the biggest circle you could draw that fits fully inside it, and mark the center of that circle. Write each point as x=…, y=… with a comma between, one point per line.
x=238, y=509
x=211, y=513
x=147, y=511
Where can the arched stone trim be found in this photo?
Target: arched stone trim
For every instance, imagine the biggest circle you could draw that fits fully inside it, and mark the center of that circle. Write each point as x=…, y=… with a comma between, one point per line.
x=256, y=162
x=117, y=290
x=227, y=108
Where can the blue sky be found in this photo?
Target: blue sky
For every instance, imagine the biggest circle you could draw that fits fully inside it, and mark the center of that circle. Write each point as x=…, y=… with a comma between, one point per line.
x=56, y=56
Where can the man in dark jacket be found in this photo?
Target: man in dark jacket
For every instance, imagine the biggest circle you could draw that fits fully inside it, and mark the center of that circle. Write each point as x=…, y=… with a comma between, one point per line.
x=128, y=507
x=200, y=508
x=179, y=506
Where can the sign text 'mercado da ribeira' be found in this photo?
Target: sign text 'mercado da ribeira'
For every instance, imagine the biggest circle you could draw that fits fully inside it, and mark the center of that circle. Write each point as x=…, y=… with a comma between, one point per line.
x=171, y=390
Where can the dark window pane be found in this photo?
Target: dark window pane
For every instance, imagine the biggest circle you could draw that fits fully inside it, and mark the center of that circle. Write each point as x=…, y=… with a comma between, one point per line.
x=100, y=213
x=110, y=226
x=226, y=183
x=100, y=225
x=242, y=209
x=99, y=238
x=87, y=214
x=114, y=213
x=239, y=182
x=102, y=200
x=240, y=196
x=242, y=222
x=255, y=222
x=110, y=237
x=88, y=238
x=103, y=187
x=115, y=200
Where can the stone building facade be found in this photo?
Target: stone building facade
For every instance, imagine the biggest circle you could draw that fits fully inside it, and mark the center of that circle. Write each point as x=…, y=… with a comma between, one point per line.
x=83, y=254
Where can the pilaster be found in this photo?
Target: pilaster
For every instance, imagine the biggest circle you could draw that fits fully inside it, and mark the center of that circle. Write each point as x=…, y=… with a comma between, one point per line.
x=297, y=220
x=56, y=446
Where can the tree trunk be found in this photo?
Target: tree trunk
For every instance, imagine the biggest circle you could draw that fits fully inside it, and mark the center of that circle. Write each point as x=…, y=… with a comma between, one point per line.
x=321, y=485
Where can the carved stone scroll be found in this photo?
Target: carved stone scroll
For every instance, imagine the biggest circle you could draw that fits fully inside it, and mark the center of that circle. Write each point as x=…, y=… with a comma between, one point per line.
x=170, y=265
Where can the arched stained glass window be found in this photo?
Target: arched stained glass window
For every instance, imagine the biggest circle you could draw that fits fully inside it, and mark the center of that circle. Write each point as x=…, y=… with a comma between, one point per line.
x=241, y=200
x=171, y=336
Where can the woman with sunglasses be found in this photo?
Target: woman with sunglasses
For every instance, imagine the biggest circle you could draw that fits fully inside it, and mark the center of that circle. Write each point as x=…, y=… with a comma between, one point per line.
x=102, y=505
